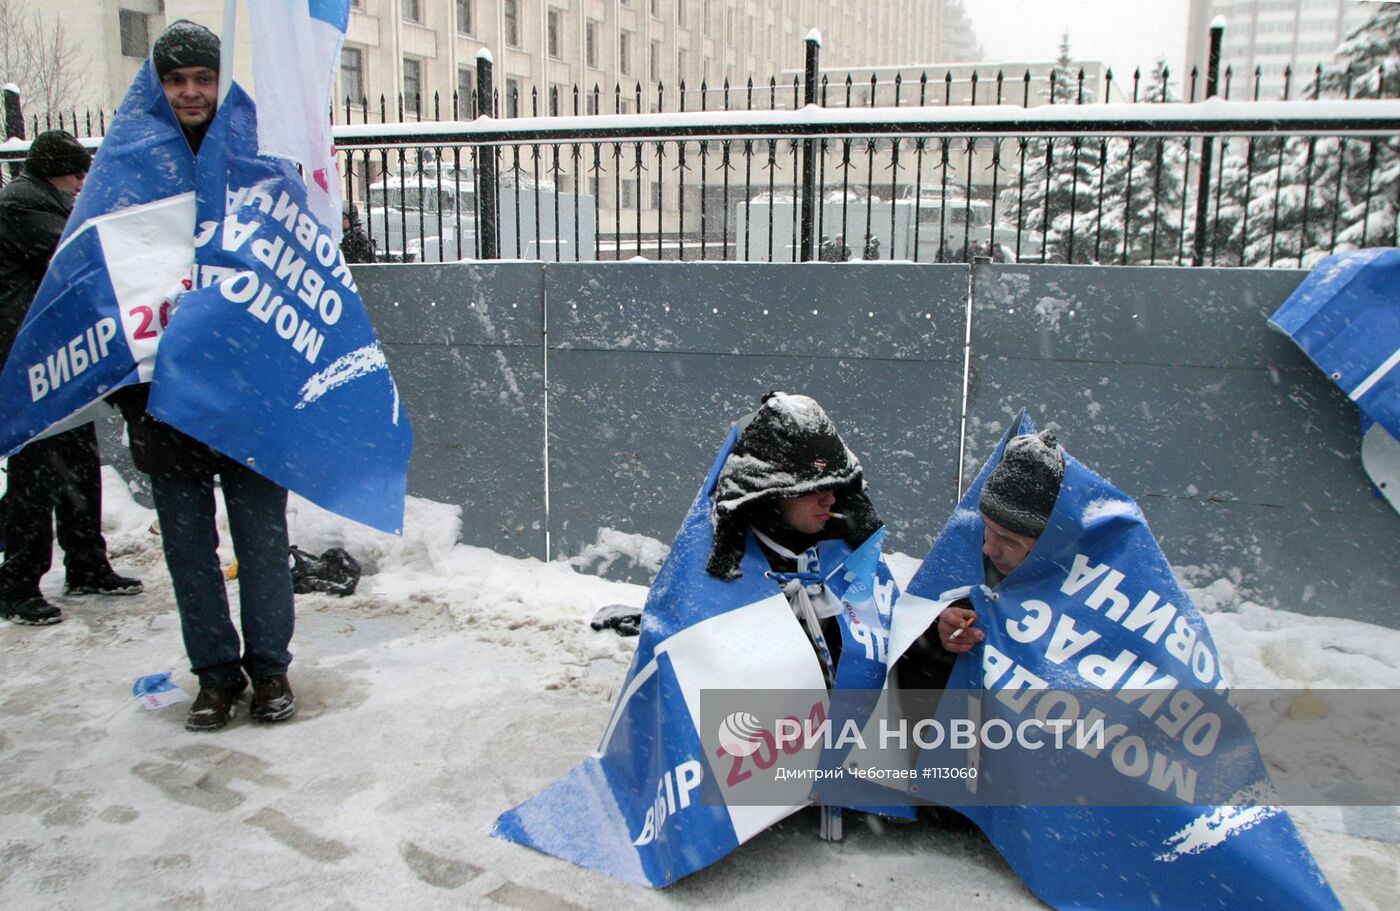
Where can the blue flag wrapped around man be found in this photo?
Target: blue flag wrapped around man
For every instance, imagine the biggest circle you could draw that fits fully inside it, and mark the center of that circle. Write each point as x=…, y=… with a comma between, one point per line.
x=269, y=358
x=673, y=787
x=1094, y=609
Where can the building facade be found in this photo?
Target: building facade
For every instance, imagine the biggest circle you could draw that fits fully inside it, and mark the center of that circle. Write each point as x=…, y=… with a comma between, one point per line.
x=422, y=49
x=1274, y=36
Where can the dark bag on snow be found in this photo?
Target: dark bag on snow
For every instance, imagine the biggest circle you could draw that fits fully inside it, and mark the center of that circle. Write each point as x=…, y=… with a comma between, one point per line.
x=334, y=572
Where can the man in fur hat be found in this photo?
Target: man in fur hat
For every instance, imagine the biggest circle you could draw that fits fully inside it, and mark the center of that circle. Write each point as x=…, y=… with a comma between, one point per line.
x=54, y=481
x=790, y=481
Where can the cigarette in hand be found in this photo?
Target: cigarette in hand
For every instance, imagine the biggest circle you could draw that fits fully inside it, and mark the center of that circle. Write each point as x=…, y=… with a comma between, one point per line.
x=959, y=631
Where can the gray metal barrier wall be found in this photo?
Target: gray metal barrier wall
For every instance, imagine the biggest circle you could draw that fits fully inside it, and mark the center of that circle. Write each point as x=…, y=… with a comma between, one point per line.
x=1170, y=384
x=650, y=363
x=1166, y=381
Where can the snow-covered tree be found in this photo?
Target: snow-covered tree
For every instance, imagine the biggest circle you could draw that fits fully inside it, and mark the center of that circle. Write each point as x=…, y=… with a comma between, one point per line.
x=1314, y=195
x=40, y=59
x=1059, y=196
x=1101, y=192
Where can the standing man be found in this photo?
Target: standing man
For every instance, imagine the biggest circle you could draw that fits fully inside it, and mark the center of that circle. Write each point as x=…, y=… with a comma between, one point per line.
x=182, y=470
x=355, y=244
x=56, y=480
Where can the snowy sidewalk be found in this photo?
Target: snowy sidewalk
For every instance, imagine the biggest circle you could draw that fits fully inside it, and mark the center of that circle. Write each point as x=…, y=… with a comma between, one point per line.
x=453, y=685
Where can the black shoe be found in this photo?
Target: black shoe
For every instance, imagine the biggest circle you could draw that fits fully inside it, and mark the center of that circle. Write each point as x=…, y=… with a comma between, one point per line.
x=31, y=611
x=272, y=699
x=108, y=583
x=214, y=707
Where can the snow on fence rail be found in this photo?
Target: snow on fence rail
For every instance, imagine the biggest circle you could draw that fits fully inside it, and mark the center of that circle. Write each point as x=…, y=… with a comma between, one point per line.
x=1208, y=183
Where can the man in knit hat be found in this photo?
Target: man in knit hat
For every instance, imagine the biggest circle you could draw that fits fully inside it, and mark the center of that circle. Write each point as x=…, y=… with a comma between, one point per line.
x=791, y=482
x=183, y=474
x=1016, y=502
x=56, y=480
x=186, y=58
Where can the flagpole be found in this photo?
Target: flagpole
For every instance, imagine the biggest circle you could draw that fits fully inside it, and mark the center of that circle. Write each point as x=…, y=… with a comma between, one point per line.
x=226, y=47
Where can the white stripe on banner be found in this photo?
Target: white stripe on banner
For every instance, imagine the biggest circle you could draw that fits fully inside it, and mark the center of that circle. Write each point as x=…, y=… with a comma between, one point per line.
x=762, y=639
x=148, y=250
x=1376, y=376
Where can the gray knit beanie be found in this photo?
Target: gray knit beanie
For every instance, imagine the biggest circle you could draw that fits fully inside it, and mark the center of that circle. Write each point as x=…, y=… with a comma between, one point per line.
x=1020, y=492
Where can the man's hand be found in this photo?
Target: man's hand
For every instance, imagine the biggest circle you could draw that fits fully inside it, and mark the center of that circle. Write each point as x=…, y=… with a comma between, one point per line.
x=956, y=631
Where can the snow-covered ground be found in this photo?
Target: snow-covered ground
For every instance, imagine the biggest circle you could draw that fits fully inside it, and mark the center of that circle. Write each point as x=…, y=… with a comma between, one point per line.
x=453, y=685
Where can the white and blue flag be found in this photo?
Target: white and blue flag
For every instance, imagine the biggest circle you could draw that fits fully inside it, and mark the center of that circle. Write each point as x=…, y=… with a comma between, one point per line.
x=296, y=57
x=662, y=796
x=1095, y=616
x=269, y=358
x=1346, y=318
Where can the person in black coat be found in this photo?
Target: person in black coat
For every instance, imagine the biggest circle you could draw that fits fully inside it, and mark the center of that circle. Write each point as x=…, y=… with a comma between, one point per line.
x=355, y=244
x=57, y=479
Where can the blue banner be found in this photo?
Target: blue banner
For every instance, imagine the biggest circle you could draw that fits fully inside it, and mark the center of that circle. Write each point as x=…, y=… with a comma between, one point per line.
x=97, y=318
x=271, y=359
x=655, y=802
x=1346, y=318
x=1095, y=607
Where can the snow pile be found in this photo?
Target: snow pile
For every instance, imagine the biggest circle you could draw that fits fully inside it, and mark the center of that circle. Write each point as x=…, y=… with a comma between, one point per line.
x=454, y=684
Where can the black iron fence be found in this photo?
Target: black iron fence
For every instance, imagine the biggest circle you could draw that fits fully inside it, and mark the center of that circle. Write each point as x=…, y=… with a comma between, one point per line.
x=942, y=170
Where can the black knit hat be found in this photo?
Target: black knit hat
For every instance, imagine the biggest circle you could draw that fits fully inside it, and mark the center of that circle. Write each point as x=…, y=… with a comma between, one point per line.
x=1020, y=492
x=56, y=153
x=788, y=448
x=185, y=43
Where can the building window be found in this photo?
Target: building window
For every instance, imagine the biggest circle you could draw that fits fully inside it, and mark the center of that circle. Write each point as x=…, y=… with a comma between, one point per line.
x=624, y=53
x=136, y=37
x=466, y=17
x=413, y=10
x=512, y=97
x=590, y=43
x=558, y=99
x=510, y=11
x=412, y=85
x=552, y=38
x=590, y=103
x=352, y=74
x=655, y=61
x=656, y=8
x=680, y=65
x=656, y=194
x=466, y=91
x=680, y=12
x=629, y=194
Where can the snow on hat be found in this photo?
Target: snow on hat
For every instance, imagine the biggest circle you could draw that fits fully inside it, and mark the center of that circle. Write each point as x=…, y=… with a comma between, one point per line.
x=1020, y=492
x=185, y=43
x=788, y=448
x=56, y=153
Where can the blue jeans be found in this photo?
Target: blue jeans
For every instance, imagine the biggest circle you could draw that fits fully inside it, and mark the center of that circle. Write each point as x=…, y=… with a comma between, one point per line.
x=257, y=519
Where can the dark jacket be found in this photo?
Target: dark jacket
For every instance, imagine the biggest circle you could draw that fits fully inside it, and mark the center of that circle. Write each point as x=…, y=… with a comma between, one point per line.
x=355, y=245
x=32, y=215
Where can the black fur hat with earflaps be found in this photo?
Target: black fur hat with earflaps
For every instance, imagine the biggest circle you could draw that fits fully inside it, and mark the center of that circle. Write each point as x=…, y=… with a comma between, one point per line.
x=788, y=448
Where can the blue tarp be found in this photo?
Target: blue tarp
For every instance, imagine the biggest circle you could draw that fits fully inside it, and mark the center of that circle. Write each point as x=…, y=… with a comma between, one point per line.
x=1095, y=607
